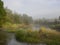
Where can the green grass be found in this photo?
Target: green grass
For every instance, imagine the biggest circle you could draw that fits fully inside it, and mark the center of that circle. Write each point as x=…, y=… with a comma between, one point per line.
x=50, y=37
x=44, y=35
x=27, y=36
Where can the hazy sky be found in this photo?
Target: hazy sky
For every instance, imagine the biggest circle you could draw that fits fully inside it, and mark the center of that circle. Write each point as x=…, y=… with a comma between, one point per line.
x=35, y=8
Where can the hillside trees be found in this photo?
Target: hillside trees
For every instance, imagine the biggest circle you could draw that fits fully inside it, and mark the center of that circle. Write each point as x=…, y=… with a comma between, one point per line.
x=18, y=18
x=3, y=35
x=2, y=14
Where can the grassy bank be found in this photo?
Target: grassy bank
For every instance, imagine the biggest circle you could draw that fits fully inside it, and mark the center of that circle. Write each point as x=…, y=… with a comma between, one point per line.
x=9, y=27
x=48, y=36
x=27, y=36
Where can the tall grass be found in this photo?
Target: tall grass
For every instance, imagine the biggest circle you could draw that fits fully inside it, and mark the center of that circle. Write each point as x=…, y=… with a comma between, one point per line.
x=50, y=37
x=44, y=35
x=27, y=36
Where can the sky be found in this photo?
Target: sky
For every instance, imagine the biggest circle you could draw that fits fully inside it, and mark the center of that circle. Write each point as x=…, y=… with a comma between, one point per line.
x=35, y=8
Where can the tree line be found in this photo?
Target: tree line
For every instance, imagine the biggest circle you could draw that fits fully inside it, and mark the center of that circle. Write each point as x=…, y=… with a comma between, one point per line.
x=17, y=18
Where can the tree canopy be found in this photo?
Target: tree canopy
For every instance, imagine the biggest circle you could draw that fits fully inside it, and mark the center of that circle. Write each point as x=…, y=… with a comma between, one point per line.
x=2, y=14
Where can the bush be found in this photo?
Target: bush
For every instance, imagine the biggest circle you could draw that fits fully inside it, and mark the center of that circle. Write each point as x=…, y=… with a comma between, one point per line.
x=48, y=36
x=56, y=27
x=51, y=37
x=27, y=36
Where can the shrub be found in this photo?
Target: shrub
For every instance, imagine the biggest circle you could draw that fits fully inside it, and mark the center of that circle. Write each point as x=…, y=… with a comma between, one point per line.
x=27, y=36
x=51, y=37
x=44, y=35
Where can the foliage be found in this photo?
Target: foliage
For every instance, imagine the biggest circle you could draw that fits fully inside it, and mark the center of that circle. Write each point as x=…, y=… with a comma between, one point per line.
x=9, y=27
x=27, y=19
x=56, y=27
x=27, y=36
x=2, y=14
x=3, y=35
x=48, y=36
x=17, y=18
x=51, y=37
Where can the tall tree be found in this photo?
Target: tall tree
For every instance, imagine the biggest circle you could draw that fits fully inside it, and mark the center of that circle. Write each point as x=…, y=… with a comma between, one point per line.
x=3, y=35
x=2, y=14
x=27, y=19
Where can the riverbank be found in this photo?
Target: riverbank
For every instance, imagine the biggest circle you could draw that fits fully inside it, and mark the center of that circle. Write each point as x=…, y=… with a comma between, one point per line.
x=44, y=35
x=29, y=36
x=13, y=41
